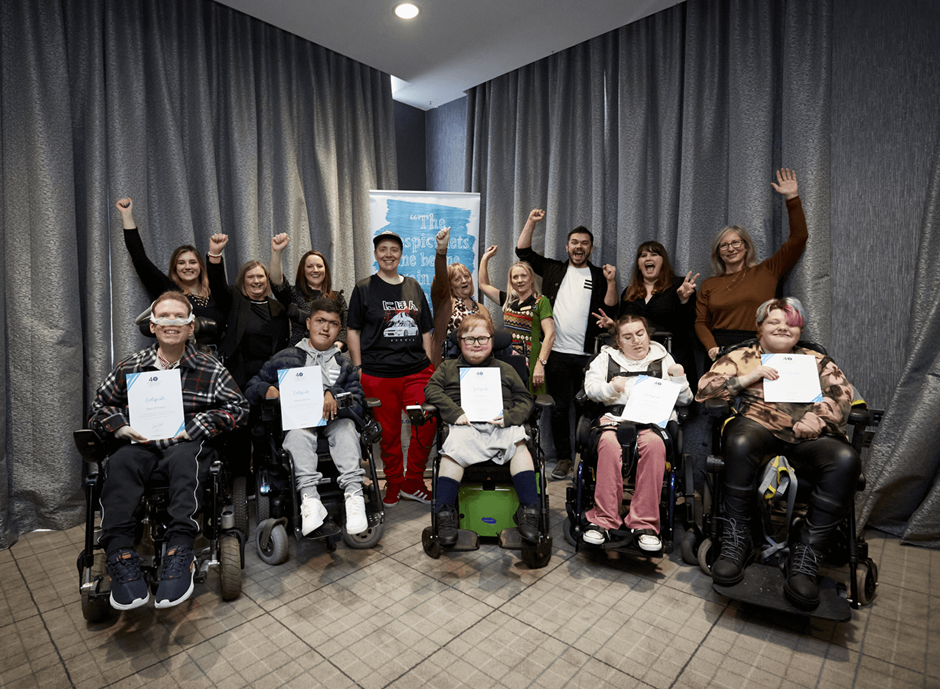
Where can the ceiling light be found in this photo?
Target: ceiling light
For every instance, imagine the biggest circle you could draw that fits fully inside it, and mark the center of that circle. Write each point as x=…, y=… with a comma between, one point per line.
x=406, y=10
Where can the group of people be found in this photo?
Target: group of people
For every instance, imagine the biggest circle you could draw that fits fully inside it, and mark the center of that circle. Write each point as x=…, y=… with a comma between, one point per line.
x=396, y=351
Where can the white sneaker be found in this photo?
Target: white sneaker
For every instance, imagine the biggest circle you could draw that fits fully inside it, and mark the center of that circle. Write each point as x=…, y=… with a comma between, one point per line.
x=356, y=520
x=313, y=513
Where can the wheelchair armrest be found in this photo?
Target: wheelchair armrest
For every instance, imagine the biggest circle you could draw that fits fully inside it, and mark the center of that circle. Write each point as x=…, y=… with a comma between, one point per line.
x=372, y=402
x=544, y=401
x=717, y=408
x=859, y=417
x=90, y=445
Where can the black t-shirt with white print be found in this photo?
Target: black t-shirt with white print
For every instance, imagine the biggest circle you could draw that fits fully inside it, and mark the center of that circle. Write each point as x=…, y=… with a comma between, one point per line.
x=391, y=320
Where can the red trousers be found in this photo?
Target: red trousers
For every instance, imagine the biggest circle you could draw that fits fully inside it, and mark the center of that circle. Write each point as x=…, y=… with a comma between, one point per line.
x=608, y=493
x=396, y=394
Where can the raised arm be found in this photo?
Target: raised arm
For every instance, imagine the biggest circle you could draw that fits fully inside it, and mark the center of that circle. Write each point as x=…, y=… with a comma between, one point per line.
x=216, y=270
x=156, y=282
x=536, y=215
x=279, y=242
x=488, y=290
x=440, y=285
x=610, y=274
x=787, y=255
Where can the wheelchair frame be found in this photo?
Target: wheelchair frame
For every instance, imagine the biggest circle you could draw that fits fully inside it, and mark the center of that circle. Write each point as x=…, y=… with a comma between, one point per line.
x=225, y=543
x=276, y=484
x=700, y=544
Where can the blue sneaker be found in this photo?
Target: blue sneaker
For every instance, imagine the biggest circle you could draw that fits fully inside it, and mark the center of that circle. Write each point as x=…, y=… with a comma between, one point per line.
x=176, y=581
x=128, y=587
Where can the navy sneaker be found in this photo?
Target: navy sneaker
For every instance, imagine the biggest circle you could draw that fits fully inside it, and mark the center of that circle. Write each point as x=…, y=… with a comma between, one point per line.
x=128, y=588
x=176, y=581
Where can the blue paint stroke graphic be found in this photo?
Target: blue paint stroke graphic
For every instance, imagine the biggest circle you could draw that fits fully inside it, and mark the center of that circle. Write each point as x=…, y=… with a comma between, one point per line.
x=417, y=224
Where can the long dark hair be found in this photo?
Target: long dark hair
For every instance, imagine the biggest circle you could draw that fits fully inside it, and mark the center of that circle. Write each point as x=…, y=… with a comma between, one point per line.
x=301, y=279
x=203, y=276
x=637, y=288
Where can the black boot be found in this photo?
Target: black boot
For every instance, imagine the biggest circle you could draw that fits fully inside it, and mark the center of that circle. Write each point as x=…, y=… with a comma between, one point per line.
x=801, y=587
x=736, y=550
x=447, y=525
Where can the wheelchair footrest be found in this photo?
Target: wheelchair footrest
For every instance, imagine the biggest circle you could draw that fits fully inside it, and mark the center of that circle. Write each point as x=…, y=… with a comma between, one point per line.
x=763, y=586
x=466, y=540
x=511, y=539
x=327, y=529
x=622, y=541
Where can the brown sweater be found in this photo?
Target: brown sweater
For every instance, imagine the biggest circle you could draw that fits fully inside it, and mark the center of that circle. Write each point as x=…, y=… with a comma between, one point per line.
x=729, y=302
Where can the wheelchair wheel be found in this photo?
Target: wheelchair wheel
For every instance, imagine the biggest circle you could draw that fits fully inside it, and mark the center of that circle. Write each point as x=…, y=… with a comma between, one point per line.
x=570, y=536
x=230, y=567
x=365, y=540
x=264, y=507
x=240, y=503
x=706, y=556
x=276, y=550
x=689, y=554
x=430, y=543
x=866, y=577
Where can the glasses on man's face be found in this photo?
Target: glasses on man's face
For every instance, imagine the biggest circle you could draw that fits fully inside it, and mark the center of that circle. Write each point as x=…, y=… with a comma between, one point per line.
x=728, y=246
x=477, y=340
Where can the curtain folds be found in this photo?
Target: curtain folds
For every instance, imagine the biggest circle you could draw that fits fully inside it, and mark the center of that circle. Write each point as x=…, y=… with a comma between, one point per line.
x=212, y=122
x=672, y=127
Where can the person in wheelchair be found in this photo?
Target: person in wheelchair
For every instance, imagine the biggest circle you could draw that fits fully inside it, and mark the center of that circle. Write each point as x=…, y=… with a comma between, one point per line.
x=812, y=436
x=501, y=440
x=212, y=404
x=635, y=354
x=339, y=376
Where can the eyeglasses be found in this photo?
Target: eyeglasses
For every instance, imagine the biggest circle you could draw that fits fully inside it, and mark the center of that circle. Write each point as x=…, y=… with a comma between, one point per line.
x=477, y=340
x=736, y=244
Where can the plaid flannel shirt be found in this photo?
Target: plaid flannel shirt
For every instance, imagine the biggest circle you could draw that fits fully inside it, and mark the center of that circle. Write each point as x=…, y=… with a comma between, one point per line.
x=212, y=402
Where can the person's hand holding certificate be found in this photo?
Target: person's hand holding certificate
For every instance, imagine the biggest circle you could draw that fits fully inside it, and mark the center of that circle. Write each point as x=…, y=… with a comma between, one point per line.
x=651, y=401
x=481, y=394
x=155, y=404
x=301, y=397
x=798, y=378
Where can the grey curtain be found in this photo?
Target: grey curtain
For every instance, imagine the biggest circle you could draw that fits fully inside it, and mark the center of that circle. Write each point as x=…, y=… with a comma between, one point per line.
x=671, y=128
x=212, y=122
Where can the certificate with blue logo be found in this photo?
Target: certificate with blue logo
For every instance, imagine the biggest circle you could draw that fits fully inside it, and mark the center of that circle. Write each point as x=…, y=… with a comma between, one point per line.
x=798, y=381
x=301, y=397
x=155, y=403
x=651, y=401
x=481, y=393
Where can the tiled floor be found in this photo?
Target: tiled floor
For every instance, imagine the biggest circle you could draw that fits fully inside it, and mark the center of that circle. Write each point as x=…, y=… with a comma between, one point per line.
x=394, y=617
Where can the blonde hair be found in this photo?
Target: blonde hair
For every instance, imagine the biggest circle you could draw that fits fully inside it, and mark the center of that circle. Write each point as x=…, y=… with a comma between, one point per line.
x=750, y=258
x=511, y=294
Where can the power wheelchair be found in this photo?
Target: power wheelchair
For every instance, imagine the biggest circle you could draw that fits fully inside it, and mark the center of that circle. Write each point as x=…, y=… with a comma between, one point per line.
x=276, y=492
x=487, y=500
x=223, y=546
x=778, y=520
x=677, y=479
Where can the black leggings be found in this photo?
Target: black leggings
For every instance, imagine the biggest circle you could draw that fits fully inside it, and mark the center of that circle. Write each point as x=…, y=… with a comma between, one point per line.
x=831, y=465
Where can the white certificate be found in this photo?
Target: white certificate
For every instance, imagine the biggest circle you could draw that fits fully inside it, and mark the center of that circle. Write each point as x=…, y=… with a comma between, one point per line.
x=798, y=381
x=301, y=397
x=651, y=401
x=481, y=393
x=155, y=403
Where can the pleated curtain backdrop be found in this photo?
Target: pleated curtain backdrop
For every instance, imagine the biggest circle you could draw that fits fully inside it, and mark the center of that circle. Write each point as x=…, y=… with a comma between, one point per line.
x=672, y=127
x=212, y=122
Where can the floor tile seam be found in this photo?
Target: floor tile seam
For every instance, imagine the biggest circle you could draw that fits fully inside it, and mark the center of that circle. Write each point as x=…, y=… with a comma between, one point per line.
x=701, y=644
x=308, y=645
x=52, y=640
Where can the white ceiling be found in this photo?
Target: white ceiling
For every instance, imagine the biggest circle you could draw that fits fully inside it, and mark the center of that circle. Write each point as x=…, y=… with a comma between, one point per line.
x=452, y=45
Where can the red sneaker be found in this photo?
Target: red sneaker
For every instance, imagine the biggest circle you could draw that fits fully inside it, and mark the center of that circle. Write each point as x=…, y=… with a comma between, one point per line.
x=391, y=495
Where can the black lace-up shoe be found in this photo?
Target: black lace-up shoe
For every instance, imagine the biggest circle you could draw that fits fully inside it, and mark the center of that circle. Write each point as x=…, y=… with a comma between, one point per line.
x=736, y=549
x=447, y=525
x=527, y=519
x=802, y=566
